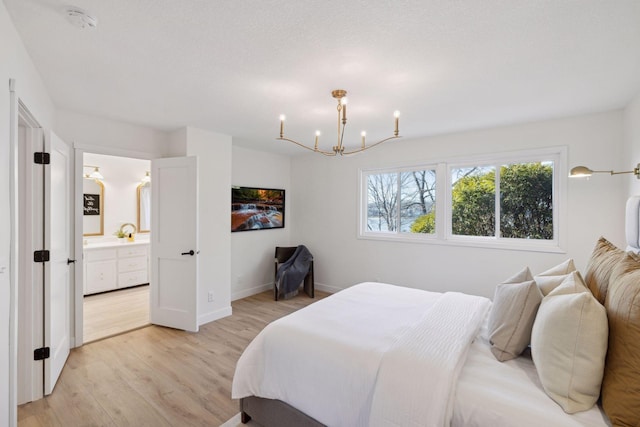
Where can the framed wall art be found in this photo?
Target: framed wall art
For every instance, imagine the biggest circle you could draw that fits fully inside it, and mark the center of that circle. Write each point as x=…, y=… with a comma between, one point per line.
x=254, y=208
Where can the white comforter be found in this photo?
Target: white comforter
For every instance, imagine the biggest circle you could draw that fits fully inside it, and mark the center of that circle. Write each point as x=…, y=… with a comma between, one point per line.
x=373, y=354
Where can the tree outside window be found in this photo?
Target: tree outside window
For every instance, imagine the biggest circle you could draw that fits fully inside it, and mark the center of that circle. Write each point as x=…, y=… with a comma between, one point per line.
x=526, y=201
x=395, y=201
x=502, y=201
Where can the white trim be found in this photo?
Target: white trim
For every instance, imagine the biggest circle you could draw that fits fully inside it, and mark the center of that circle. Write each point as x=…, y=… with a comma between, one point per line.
x=13, y=256
x=443, y=235
x=111, y=151
x=214, y=315
x=251, y=291
x=78, y=250
x=327, y=288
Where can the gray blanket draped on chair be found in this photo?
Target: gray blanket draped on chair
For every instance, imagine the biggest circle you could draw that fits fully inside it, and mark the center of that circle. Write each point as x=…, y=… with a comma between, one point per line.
x=292, y=272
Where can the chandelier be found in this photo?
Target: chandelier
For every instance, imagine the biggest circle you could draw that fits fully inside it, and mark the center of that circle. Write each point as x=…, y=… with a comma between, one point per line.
x=340, y=95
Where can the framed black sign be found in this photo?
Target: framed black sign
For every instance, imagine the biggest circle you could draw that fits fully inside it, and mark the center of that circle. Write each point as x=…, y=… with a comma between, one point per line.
x=92, y=204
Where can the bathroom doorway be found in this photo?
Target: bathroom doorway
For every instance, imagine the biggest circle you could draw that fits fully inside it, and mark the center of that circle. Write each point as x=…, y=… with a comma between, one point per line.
x=116, y=244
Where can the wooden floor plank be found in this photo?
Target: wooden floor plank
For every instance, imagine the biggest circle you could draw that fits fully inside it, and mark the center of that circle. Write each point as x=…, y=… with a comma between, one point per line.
x=113, y=313
x=158, y=376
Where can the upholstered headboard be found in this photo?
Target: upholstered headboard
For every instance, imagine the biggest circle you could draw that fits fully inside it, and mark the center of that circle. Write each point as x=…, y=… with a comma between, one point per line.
x=632, y=225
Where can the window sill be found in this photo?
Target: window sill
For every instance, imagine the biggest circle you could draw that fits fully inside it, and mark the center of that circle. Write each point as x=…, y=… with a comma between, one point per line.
x=481, y=242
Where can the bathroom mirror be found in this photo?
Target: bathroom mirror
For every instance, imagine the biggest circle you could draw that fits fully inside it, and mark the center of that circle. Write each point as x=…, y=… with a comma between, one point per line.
x=93, y=207
x=144, y=208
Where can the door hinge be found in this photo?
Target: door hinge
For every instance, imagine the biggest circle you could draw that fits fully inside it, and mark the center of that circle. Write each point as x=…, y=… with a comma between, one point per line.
x=41, y=158
x=41, y=353
x=41, y=256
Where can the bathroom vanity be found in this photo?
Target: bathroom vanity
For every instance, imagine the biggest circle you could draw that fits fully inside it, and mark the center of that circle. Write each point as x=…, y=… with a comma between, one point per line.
x=110, y=266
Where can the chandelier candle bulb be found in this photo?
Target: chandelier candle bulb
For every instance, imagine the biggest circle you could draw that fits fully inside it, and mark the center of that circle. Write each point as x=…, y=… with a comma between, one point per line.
x=282, y=117
x=363, y=134
x=315, y=147
x=343, y=101
x=396, y=114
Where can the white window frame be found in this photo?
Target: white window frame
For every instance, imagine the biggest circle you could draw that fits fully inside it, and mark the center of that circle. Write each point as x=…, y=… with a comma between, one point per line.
x=443, y=234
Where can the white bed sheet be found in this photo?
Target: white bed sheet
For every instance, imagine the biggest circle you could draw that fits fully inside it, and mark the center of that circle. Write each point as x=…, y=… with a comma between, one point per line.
x=334, y=345
x=493, y=393
x=488, y=393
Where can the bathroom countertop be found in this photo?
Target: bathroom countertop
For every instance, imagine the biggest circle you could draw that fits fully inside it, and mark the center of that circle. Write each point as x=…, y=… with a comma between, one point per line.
x=116, y=244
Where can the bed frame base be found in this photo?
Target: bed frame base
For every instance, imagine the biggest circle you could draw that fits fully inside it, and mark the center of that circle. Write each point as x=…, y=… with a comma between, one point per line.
x=274, y=413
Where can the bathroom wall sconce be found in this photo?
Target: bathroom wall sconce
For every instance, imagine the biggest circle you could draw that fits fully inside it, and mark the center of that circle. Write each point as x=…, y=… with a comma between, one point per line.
x=585, y=172
x=146, y=178
x=95, y=174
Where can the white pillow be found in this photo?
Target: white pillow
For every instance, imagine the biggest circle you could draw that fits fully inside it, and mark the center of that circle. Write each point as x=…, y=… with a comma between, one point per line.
x=569, y=345
x=515, y=303
x=550, y=279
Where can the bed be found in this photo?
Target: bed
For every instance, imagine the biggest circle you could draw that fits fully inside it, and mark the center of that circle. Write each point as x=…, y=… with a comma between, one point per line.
x=383, y=355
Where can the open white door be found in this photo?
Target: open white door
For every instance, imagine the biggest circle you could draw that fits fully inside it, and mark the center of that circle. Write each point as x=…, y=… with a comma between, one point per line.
x=57, y=272
x=174, y=243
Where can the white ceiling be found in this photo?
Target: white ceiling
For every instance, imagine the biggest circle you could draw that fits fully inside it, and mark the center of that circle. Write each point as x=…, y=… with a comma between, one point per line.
x=232, y=66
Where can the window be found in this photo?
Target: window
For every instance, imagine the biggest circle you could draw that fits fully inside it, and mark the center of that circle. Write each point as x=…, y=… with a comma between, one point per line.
x=401, y=201
x=522, y=210
x=511, y=200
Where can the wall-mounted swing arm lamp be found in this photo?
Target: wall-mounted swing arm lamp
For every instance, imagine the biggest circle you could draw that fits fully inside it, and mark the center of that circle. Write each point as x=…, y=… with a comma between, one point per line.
x=585, y=172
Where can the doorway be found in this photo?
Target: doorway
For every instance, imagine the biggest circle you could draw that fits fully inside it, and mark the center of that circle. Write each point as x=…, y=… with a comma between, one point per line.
x=44, y=250
x=115, y=244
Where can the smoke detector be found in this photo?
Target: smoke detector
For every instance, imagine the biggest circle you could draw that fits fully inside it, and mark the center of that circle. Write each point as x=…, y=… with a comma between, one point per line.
x=80, y=18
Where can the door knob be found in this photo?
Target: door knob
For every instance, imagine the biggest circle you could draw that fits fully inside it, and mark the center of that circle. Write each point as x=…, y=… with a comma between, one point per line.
x=70, y=261
x=191, y=252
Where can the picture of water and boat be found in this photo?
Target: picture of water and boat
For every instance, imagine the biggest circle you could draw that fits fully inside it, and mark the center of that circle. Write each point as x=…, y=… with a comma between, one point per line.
x=256, y=208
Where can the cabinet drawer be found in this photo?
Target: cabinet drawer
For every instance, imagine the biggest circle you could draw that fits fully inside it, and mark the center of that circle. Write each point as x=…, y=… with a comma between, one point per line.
x=132, y=251
x=101, y=276
x=132, y=278
x=99, y=254
x=132, y=264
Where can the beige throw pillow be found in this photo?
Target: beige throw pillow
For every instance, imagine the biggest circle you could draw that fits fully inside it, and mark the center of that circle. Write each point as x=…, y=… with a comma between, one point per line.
x=550, y=279
x=621, y=384
x=569, y=345
x=515, y=304
x=603, y=259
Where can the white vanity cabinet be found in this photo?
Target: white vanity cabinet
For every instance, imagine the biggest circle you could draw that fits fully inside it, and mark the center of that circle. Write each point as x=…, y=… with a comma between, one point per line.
x=109, y=267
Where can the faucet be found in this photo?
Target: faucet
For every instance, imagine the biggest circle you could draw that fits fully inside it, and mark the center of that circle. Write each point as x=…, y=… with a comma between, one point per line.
x=128, y=224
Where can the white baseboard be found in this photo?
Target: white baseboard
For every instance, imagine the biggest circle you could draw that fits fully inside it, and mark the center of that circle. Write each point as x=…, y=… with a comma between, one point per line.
x=251, y=291
x=269, y=286
x=214, y=315
x=327, y=288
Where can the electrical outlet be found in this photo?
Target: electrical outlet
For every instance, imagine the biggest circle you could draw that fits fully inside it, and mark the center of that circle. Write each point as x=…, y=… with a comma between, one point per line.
x=210, y=296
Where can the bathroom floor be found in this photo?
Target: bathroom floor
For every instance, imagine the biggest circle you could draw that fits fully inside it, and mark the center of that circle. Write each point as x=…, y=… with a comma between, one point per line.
x=115, y=312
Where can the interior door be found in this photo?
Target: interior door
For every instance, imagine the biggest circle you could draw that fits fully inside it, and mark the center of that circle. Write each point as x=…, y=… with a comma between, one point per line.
x=57, y=272
x=174, y=243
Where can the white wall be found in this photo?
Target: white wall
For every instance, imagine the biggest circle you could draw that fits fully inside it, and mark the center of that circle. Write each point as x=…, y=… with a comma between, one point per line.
x=14, y=63
x=121, y=179
x=214, y=181
x=252, y=252
x=631, y=152
x=325, y=205
x=118, y=138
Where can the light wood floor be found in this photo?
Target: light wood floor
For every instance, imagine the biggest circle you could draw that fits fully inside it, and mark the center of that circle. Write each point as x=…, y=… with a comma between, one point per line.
x=158, y=376
x=115, y=312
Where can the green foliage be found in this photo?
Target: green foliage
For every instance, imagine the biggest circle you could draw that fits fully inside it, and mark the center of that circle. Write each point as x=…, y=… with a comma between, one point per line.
x=526, y=203
x=425, y=223
x=473, y=210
